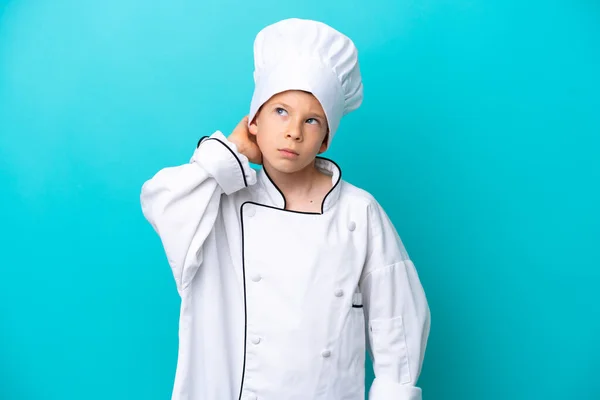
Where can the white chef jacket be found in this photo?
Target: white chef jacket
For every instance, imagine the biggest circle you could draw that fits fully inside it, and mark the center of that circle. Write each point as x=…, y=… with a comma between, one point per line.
x=278, y=304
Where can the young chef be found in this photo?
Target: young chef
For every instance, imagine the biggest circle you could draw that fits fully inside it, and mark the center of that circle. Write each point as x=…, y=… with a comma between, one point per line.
x=287, y=275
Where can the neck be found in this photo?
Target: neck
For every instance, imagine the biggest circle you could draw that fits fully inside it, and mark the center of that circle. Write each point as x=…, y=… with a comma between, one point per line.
x=297, y=184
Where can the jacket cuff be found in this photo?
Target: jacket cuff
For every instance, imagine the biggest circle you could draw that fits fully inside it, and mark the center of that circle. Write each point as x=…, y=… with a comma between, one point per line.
x=384, y=389
x=222, y=160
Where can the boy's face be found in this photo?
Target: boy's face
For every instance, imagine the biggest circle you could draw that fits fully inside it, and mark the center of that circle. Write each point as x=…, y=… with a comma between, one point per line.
x=291, y=130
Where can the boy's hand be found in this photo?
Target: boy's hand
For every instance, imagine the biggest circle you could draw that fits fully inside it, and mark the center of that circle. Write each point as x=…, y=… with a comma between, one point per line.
x=246, y=142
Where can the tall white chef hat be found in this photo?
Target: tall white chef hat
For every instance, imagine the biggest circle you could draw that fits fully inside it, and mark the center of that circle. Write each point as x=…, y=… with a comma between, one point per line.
x=298, y=54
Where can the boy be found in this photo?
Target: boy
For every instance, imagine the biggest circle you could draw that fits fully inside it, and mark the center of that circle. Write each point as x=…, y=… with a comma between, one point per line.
x=285, y=274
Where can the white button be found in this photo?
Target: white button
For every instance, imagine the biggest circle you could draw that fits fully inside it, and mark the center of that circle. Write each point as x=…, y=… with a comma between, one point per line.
x=250, y=211
x=256, y=278
x=339, y=293
x=326, y=353
x=256, y=340
x=351, y=225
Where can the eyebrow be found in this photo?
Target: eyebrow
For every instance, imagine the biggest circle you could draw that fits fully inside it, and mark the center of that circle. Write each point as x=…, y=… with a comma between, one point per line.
x=284, y=105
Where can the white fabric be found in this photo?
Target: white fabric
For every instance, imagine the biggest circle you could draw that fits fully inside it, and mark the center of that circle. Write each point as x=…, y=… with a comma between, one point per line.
x=298, y=54
x=267, y=294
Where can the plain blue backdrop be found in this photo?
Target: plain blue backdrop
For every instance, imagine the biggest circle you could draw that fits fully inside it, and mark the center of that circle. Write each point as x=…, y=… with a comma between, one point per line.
x=479, y=135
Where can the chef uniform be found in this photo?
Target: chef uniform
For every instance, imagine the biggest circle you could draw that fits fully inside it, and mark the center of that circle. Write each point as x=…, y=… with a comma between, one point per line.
x=279, y=304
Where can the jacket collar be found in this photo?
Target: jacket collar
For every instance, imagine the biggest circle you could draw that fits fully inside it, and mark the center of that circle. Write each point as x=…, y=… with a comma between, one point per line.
x=325, y=165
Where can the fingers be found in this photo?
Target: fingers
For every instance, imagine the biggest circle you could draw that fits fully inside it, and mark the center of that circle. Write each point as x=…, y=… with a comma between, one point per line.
x=242, y=125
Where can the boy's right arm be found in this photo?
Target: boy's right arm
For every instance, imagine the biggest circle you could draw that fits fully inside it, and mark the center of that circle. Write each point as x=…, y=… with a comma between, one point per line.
x=182, y=203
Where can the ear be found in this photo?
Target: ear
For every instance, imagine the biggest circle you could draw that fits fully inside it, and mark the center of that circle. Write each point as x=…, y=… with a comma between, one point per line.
x=253, y=127
x=324, y=144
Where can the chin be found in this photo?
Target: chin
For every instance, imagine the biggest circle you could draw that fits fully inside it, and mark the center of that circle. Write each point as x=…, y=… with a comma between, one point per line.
x=288, y=166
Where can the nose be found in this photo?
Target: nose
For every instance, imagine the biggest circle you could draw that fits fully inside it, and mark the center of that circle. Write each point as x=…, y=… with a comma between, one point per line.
x=294, y=132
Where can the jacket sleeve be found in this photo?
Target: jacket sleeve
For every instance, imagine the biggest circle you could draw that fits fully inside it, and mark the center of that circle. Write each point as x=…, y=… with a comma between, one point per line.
x=396, y=311
x=182, y=202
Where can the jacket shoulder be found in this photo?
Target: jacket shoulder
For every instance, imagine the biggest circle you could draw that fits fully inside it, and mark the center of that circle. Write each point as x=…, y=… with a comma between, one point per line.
x=355, y=196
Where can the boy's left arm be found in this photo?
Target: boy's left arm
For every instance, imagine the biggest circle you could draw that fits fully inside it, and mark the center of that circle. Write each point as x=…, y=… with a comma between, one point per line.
x=396, y=311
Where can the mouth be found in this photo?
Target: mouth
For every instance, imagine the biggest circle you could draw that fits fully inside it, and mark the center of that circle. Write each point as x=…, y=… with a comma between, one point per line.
x=288, y=153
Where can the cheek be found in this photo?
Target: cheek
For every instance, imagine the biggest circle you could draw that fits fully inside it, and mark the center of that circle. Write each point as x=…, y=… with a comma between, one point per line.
x=269, y=128
x=265, y=134
x=318, y=135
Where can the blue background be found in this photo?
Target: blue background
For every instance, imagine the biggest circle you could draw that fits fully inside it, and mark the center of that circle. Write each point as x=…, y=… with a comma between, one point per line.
x=478, y=134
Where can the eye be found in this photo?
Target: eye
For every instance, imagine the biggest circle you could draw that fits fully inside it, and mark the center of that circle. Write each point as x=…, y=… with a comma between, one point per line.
x=313, y=121
x=281, y=111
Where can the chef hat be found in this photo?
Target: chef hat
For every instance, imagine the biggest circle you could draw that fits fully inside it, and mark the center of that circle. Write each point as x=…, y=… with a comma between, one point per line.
x=297, y=54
